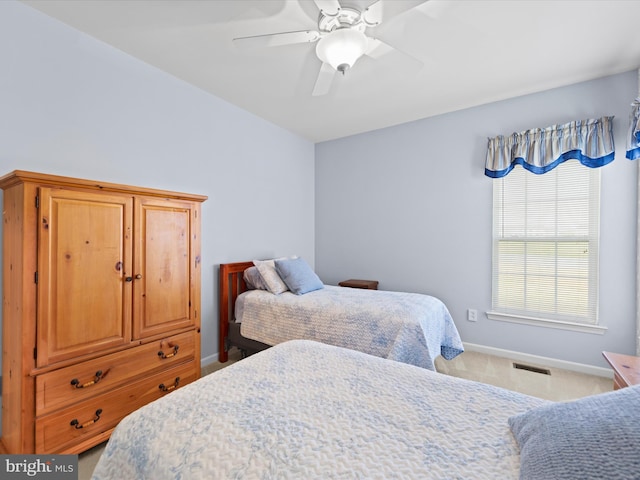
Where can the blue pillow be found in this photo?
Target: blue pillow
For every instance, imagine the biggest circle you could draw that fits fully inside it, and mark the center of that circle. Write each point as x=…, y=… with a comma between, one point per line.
x=594, y=437
x=298, y=275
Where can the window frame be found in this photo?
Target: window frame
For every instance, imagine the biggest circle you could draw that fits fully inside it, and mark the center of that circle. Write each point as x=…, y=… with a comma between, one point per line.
x=584, y=323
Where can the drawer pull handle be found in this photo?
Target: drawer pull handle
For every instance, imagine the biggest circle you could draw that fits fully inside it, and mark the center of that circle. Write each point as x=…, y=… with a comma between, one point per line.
x=99, y=376
x=161, y=354
x=164, y=388
x=78, y=425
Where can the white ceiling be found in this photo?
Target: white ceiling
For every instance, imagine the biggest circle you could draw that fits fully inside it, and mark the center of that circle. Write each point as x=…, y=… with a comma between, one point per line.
x=470, y=52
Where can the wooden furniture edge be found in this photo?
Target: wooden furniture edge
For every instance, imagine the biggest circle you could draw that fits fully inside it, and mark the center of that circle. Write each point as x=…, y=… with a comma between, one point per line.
x=360, y=283
x=21, y=176
x=626, y=368
x=231, y=285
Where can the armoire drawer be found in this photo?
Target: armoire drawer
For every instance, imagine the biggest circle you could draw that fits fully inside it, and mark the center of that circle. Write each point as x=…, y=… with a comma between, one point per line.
x=58, y=432
x=79, y=382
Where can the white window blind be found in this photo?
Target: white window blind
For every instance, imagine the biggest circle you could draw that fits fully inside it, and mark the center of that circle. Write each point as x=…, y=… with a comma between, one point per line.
x=545, y=243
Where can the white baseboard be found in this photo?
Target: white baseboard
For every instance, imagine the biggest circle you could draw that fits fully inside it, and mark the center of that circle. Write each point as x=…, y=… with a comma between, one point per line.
x=208, y=360
x=542, y=361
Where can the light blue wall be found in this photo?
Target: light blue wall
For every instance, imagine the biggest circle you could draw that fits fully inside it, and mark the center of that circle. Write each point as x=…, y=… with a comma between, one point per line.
x=407, y=205
x=410, y=206
x=71, y=105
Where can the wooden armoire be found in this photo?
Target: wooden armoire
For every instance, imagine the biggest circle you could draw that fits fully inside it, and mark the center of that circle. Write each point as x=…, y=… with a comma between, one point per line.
x=101, y=306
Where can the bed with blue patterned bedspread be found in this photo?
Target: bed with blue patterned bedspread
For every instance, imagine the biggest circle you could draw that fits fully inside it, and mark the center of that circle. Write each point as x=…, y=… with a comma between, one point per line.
x=306, y=410
x=407, y=327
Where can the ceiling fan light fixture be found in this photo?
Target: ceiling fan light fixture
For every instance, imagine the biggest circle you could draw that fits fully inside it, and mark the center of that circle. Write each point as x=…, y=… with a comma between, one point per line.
x=342, y=48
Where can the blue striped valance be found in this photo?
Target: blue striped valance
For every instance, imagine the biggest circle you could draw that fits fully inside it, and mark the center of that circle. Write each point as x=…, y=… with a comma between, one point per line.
x=539, y=150
x=633, y=137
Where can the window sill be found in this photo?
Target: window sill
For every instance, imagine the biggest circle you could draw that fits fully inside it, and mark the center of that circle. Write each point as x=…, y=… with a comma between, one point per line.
x=540, y=322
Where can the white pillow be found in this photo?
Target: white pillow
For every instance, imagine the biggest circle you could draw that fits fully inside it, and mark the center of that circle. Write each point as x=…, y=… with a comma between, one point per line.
x=272, y=280
x=253, y=279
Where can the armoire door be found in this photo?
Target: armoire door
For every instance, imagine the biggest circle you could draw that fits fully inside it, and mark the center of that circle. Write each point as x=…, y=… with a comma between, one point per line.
x=84, y=258
x=163, y=286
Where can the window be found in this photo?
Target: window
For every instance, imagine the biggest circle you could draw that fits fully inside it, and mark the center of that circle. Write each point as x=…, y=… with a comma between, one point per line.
x=545, y=245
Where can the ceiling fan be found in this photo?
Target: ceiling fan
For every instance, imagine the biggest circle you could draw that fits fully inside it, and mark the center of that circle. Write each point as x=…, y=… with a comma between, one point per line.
x=340, y=37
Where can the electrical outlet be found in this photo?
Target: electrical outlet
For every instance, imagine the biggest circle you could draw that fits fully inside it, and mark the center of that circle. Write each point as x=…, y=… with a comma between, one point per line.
x=472, y=315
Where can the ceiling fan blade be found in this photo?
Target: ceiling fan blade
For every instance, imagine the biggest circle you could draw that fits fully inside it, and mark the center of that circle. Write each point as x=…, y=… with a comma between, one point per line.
x=329, y=8
x=324, y=80
x=434, y=10
x=373, y=14
x=277, y=39
x=377, y=48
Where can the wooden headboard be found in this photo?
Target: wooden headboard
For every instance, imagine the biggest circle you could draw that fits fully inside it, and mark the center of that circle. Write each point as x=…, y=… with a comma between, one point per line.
x=231, y=285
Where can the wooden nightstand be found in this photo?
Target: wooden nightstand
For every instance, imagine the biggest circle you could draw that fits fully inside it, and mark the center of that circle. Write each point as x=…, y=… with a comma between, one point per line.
x=355, y=283
x=626, y=369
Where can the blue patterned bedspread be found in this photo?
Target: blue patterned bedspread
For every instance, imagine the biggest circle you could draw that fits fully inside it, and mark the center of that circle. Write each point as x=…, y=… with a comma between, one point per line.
x=306, y=410
x=408, y=327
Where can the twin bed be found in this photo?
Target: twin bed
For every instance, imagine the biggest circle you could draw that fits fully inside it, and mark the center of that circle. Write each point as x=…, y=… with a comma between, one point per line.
x=407, y=327
x=304, y=409
x=309, y=409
